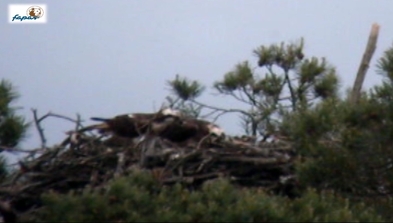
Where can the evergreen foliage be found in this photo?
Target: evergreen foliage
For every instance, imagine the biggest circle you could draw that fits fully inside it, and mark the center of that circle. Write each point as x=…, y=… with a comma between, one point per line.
x=348, y=148
x=139, y=198
x=290, y=82
x=183, y=90
x=12, y=126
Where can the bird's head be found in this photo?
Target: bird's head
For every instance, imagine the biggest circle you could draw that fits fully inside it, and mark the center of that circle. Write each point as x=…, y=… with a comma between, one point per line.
x=215, y=130
x=171, y=112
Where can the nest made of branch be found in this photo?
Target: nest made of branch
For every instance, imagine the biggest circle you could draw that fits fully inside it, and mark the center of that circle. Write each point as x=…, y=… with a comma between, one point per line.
x=93, y=162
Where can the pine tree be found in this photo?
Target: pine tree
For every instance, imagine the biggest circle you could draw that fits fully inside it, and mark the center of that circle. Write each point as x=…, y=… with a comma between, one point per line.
x=12, y=126
x=347, y=147
x=286, y=81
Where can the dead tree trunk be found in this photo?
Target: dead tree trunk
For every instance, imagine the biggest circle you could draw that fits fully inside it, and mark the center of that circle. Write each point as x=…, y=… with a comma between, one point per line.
x=364, y=64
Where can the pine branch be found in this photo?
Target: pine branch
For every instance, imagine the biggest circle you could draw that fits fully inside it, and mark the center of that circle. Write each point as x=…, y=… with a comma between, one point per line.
x=222, y=109
x=291, y=90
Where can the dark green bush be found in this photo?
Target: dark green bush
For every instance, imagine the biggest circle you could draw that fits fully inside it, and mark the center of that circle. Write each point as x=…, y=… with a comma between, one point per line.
x=139, y=198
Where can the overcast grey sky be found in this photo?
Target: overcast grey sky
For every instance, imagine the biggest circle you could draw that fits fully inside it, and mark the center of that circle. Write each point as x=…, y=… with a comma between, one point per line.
x=103, y=58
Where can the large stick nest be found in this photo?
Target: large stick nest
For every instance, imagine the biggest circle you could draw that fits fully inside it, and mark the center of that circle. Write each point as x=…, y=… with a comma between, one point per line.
x=94, y=161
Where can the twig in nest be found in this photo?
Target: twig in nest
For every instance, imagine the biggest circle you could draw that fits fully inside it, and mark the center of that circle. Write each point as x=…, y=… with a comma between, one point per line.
x=50, y=114
x=78, y=122
x=39, y=128
x=120, y=164
x=202, y=141
x=185, y=159
x=37, y=122
x=204, y=163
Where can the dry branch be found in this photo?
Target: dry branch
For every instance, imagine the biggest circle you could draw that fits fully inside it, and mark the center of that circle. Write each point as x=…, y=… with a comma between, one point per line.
x=39, y=128
x=38, y=120
x=364, y=64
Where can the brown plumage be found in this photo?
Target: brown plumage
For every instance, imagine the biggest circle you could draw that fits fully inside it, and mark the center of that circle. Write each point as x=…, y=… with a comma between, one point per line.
x=168, y=124
x=118, y=141
x=188, y=129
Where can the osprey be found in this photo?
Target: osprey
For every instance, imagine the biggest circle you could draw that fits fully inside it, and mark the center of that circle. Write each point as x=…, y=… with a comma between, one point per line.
x=167, y=123
x=135, y=124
